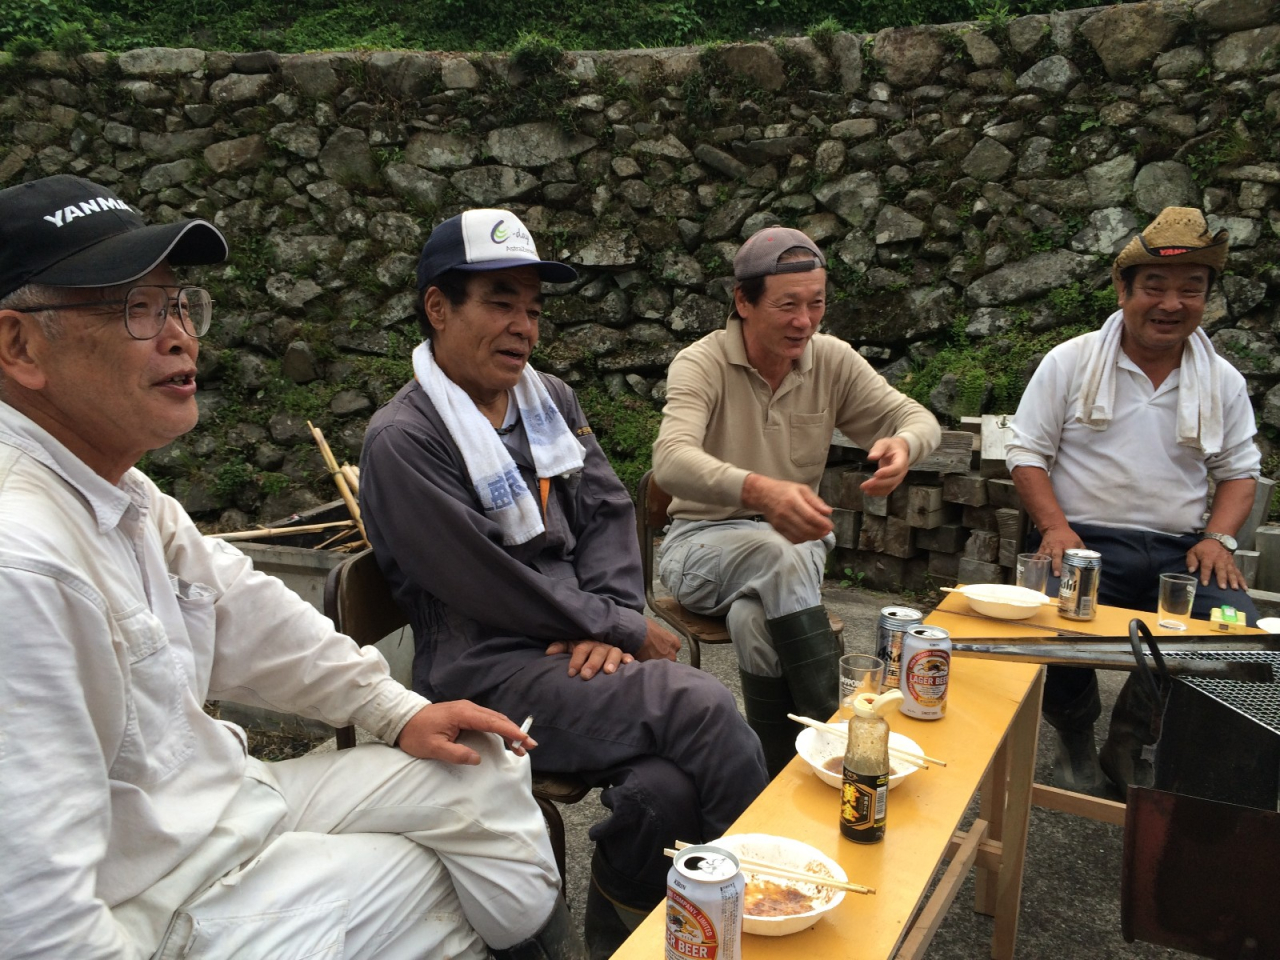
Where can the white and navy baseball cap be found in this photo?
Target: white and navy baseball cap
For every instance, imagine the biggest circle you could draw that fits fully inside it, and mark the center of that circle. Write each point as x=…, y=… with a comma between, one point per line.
x=485, y=240
x=70, y=232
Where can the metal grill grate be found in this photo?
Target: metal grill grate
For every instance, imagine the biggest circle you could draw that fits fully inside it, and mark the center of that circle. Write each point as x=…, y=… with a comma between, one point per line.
x=1259, y=702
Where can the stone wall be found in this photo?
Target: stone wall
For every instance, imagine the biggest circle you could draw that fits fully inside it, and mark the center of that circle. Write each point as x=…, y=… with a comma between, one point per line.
x=961, y=178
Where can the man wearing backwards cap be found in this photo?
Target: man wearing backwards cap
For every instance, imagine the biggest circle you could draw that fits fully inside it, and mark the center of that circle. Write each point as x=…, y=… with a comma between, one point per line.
x=744, y=439
x=132, y=824
x=1114, y=442
x=511, y=543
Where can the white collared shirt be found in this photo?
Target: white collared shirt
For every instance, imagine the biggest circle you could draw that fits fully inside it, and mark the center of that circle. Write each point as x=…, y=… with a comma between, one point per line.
x=119, y=621
x=1133, y=474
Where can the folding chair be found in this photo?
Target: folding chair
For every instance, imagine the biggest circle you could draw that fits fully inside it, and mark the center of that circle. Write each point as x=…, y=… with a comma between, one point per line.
x=652, y=503
x=359, y=602
x=1198, y=875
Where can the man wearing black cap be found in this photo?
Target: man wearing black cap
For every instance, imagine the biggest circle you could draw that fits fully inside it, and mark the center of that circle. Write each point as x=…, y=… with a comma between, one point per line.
x=1115, y=439
x=132, y=823
x=511, y=543
x=744, y=439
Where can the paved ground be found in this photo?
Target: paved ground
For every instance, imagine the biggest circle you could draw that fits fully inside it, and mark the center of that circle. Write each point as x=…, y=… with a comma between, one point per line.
x=1070, y=898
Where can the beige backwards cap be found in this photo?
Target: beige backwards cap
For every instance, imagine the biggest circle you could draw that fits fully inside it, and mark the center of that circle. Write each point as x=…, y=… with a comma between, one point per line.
x=1177, y=235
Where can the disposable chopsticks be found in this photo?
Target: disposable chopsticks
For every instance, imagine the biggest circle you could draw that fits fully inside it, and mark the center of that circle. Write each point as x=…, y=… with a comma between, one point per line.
x=785, y=873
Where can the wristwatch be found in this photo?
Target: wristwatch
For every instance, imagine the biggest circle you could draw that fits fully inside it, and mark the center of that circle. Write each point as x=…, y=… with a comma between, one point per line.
x=1226, y=539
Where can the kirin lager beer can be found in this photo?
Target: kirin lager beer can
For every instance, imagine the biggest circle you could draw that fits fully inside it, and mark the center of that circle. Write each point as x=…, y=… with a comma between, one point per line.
x=894, y=622
x=1078, y=589
x=704, y=905
x=926, y=668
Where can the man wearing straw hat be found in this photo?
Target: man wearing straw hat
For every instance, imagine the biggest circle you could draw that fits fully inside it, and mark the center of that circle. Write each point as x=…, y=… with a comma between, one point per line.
x=1115, y=441
x=510, y=542
x=132, y=823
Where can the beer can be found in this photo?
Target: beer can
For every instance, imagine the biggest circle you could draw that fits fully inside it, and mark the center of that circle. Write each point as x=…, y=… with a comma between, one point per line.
x=705, y=890
x=926, y=668
x=894, y=622
x=1078, y=588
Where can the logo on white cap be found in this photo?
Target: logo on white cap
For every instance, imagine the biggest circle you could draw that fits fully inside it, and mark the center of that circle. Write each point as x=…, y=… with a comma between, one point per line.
x=492, y=235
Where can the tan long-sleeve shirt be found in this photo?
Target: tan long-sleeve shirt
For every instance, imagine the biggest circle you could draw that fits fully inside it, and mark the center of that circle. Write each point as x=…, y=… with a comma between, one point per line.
x=722, y=421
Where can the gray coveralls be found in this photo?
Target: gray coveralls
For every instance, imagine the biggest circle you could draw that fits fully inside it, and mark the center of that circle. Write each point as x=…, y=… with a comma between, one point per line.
x=666, y=740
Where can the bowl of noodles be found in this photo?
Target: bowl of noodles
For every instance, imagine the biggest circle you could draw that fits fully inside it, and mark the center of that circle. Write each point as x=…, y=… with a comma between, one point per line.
x=773, y=906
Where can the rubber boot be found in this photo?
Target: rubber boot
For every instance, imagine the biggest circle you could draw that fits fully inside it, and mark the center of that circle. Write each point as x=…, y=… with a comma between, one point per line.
x=810, y=655
x=1076, y=766
x=606, y=923
x=1135, y=723
x=767, y=701
x=557, y=940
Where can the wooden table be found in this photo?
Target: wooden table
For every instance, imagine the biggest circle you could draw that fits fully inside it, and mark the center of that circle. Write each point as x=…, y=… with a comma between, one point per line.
x=988, y=739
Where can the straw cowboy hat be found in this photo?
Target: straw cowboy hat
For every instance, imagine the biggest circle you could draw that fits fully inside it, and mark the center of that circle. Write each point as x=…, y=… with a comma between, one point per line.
x=1177, y=235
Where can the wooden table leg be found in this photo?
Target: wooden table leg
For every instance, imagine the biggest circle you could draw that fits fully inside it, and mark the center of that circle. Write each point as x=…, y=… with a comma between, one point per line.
x=1021, y=744
x=991, y=808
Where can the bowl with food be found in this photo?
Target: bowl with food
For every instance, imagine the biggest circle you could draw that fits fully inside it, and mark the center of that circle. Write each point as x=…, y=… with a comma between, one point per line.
x=775, y=906
x=1004, y=601
x=823, y=751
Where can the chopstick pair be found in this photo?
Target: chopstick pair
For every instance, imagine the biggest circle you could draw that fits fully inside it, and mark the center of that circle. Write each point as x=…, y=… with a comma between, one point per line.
x=918, y=759
x=784, y=873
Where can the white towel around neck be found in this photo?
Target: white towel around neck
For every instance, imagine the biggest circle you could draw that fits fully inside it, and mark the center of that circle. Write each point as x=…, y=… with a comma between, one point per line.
x=1200, y=423
x=505, y=498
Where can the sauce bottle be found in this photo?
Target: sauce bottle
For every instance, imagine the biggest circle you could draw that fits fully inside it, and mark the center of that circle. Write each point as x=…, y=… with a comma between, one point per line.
x=866, y=768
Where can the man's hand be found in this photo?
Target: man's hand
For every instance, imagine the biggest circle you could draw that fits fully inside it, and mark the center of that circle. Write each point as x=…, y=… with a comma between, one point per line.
x=589, y=657
x=792, y=509
x=432, y=732
x=892, y=457
x=1210, y=559
x=659, y=643
x=1057, y=540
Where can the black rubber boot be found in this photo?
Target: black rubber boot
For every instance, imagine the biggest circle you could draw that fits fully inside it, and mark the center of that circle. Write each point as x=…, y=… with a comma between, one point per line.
x=810, y=655
x=767, y=701
x=606, y=923
x=1135, y=723
x=557, y=940
x=1076, y=766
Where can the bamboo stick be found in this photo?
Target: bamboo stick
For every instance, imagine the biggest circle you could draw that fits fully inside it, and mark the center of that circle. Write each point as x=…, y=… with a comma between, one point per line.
x=281, y=531
x=353, y=478
x=338, y=478
x=785, y=873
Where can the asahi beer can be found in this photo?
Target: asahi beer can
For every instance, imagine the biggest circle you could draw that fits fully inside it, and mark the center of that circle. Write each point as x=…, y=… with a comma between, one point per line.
x=894, y=622
x=1078, y=589
x=705, y=890
x=926, y=668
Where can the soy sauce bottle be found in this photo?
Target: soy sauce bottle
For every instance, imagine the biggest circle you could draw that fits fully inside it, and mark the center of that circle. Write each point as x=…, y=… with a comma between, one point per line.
x=864, y=797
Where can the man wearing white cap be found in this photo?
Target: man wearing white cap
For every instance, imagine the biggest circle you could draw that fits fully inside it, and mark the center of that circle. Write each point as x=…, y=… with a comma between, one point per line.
x=132, y=823
x=1115, y=439
x=510, y=542
x=743, y=443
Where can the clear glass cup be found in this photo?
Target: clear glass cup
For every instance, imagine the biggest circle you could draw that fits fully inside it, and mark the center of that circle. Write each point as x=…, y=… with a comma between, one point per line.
x=1033, y=571
x=1177, y=593
x=859, y=673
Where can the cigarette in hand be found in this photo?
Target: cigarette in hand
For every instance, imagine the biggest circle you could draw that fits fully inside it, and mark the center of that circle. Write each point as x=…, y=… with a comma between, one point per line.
x=524, y=728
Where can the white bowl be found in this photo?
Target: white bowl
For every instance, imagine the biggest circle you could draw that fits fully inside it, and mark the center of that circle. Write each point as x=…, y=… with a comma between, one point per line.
x=785, y=852
x=1269, y=624
x=816, y=748
x=1004, y=601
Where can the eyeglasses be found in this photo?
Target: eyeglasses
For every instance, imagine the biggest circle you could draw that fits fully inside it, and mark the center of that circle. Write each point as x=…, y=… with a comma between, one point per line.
x=147, y=309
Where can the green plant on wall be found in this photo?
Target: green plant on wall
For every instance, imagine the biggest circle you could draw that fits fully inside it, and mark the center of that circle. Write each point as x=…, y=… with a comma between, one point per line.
x=625, y=428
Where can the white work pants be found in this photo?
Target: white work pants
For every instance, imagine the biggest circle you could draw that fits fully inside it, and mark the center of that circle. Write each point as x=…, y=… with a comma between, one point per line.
x=380, y=855
x=747, y=572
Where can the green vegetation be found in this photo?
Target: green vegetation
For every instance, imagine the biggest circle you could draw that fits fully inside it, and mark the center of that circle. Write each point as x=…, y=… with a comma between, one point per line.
x=994, y=369
x=73, y=25
x=625, y=428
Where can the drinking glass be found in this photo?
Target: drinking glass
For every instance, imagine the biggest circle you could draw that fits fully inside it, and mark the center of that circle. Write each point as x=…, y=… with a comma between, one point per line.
x=859, y=673
x=1177, y=592
x=1033, y=571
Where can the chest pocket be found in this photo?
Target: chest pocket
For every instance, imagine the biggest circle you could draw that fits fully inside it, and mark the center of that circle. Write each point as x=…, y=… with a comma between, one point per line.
x=810, y=438
x=158, y=735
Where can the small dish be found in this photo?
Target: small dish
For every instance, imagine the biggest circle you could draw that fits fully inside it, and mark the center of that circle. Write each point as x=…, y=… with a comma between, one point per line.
x=1004, y=601
x=817, y=748
x=794, y=855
